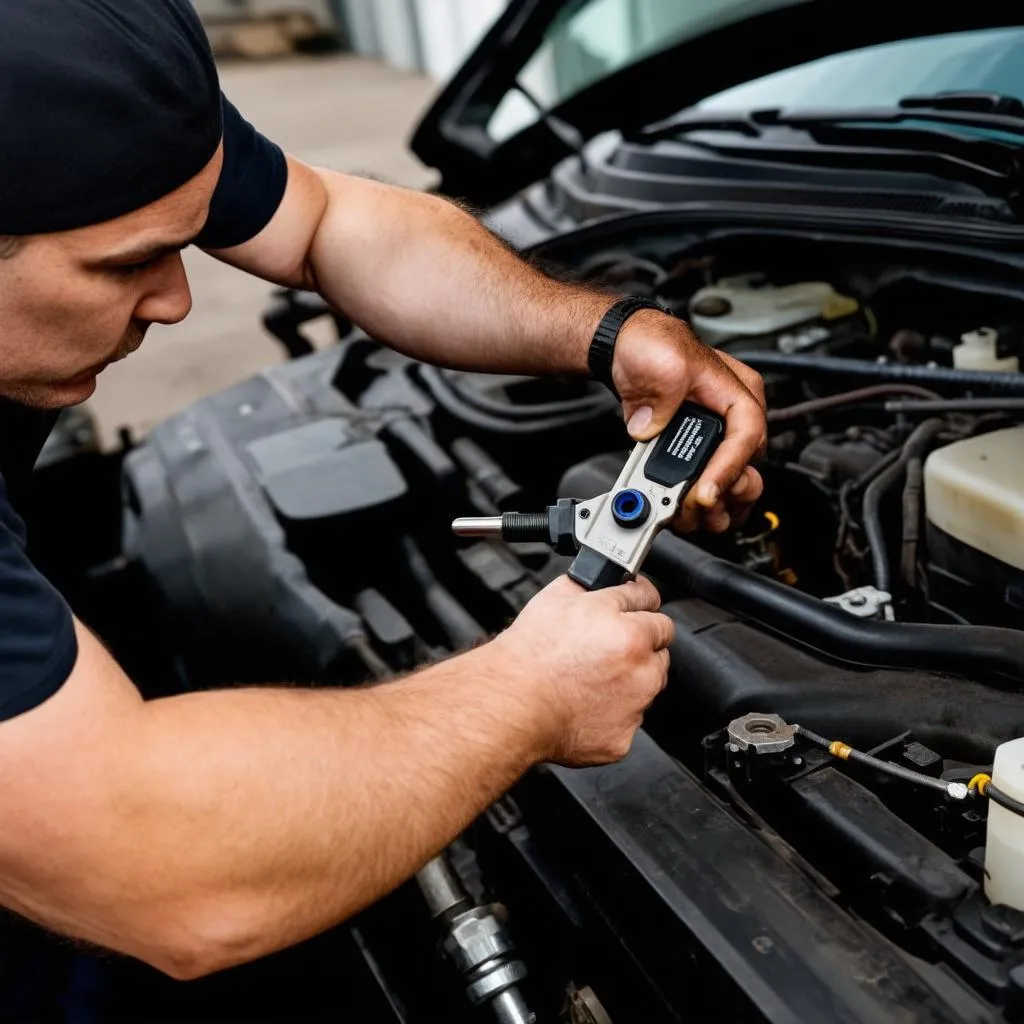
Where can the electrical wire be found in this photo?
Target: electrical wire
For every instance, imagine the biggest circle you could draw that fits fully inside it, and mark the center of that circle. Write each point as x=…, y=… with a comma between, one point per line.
x=844, y=752
x=1005, y=404
x=982, y=785
x=844, y=540
x=915, y=446
x=812, y=405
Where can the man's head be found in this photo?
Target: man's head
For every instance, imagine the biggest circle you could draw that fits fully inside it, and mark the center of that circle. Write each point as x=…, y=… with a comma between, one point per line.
x=72, y=302
x=111, y=156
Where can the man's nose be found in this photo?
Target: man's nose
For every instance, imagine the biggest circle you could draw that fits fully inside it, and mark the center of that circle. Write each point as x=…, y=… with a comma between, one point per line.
x=169, y=300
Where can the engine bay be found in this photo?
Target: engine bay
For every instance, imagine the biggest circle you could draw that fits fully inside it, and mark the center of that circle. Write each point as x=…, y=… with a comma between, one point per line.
x=298, y=526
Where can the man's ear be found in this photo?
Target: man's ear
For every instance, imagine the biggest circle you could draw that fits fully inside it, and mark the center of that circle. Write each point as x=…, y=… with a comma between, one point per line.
x=9, y=246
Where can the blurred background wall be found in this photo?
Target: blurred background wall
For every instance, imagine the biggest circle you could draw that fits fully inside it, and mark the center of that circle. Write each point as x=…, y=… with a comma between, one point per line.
x=431, y=36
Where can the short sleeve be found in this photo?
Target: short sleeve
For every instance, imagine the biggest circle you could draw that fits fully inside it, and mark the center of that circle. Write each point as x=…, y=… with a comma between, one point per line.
x=38, y=647
x=251, y=186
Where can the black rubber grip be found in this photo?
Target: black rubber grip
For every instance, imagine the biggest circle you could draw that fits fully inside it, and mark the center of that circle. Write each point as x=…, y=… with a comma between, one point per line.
x=526, y=527
x=595, y=572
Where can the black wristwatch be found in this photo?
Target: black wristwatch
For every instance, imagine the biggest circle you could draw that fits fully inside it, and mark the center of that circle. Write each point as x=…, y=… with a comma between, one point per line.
x=602, y=348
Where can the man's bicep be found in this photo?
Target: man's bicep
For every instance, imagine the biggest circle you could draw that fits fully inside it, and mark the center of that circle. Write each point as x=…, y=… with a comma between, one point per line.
x=59, y=761
x=280, y=252
x=65, y=730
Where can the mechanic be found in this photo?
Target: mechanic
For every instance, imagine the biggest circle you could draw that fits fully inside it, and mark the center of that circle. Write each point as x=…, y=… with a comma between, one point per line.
x=200, y=831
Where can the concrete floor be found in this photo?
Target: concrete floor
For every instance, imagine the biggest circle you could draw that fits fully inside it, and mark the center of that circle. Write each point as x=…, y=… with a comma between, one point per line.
x=343, y=112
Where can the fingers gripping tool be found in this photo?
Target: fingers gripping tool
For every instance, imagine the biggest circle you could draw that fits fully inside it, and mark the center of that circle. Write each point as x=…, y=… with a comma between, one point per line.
x=611, y=535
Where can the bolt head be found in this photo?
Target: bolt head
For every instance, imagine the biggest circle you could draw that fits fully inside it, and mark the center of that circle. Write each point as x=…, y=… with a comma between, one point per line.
x=584, y=513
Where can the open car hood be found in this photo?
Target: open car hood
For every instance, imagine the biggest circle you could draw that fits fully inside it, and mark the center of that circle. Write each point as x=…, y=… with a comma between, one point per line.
x=488, y=140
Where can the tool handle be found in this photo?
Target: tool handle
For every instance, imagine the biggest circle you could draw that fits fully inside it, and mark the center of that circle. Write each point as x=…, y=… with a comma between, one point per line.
x=681, y=452
x=659, y=473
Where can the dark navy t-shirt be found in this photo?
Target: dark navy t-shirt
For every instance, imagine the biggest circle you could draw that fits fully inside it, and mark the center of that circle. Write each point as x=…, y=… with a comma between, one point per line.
x=37, y=638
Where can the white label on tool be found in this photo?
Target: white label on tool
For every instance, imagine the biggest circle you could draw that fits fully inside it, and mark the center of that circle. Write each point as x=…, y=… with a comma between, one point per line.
x=687, y=441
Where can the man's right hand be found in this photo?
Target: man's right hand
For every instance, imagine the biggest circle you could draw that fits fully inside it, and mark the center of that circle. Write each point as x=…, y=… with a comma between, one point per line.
x=591, y=663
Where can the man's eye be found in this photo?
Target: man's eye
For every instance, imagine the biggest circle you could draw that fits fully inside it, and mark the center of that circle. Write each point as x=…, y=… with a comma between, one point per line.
x=135, y=268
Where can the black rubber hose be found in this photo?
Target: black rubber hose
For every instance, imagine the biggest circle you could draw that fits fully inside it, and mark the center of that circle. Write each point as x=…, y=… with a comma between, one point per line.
x=912, y=490
x=871, y=520
x=1004, y=800
x=598, y=400
x=823, y=366
x=457, y=407
x=487, y=474
x=914, y=448
x=461, y=628
x=971, y=651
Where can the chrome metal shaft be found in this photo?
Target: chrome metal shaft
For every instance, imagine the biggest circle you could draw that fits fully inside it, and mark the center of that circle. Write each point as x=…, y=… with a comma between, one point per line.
x=477, y=526
x=509, y=1007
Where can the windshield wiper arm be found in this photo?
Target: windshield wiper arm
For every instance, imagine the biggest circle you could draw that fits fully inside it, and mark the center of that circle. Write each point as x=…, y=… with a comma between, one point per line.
x=1009, y=124
x=969, y=102
x=695, y=121
x=922, y=127
x=969, y=109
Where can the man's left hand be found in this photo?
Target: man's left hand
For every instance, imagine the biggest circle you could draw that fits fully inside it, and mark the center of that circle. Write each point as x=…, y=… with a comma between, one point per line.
x=659, y=361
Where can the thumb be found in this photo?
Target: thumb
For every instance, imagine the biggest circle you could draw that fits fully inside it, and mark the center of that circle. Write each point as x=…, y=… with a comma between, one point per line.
x=648, y=416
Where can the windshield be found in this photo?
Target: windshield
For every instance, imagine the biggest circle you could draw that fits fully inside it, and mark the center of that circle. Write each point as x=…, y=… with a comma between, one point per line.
x=879, y=76
x=592, y=39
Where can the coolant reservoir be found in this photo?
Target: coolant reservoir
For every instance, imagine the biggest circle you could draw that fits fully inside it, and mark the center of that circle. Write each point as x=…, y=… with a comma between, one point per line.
x=974, y=494
x=746, y=306
x=978, y=350
x=1004, y=848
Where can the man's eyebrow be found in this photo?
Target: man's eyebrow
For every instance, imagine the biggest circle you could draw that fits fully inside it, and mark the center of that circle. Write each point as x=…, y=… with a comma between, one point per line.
x=145, y=253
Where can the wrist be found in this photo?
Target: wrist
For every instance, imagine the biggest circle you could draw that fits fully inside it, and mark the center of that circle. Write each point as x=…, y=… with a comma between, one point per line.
x=517, y=696
x=483, y=697
x=584, y=311
x=605, y=347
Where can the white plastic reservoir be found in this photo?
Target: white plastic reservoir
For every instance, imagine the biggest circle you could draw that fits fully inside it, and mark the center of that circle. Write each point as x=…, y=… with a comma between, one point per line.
x=1004, y=848
x=974, y=491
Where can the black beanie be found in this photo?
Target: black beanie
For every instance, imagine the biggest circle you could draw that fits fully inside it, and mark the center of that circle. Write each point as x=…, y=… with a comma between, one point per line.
x=105, y=107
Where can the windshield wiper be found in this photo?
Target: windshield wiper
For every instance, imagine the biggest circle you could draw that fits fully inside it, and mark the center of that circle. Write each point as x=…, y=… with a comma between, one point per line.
x=994, y=165
x=969, y=102
x=967, y=109
x=919, y=133
x=934, y=110
x=694, y=121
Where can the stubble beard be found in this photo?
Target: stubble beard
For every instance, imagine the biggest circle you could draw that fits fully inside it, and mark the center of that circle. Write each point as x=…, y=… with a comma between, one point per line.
x=43, y=398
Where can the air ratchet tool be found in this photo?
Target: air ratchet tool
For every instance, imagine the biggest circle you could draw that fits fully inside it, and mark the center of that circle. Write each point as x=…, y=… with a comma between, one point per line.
x=611, y=535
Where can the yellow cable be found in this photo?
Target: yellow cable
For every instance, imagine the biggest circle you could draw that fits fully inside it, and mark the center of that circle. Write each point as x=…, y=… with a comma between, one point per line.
x=979, y=782
x=872, y=322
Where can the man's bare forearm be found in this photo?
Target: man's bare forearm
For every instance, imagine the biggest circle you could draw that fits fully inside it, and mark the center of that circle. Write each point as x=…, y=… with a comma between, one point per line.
x=431, y=280
x=218, y=827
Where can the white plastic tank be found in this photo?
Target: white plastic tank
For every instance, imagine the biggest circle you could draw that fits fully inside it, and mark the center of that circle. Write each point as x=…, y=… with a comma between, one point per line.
x=1004, y=848
x=974, y=492
x=979, y=350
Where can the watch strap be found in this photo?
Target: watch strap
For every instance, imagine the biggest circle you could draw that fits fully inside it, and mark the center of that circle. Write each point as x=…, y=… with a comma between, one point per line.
x=602, y=348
